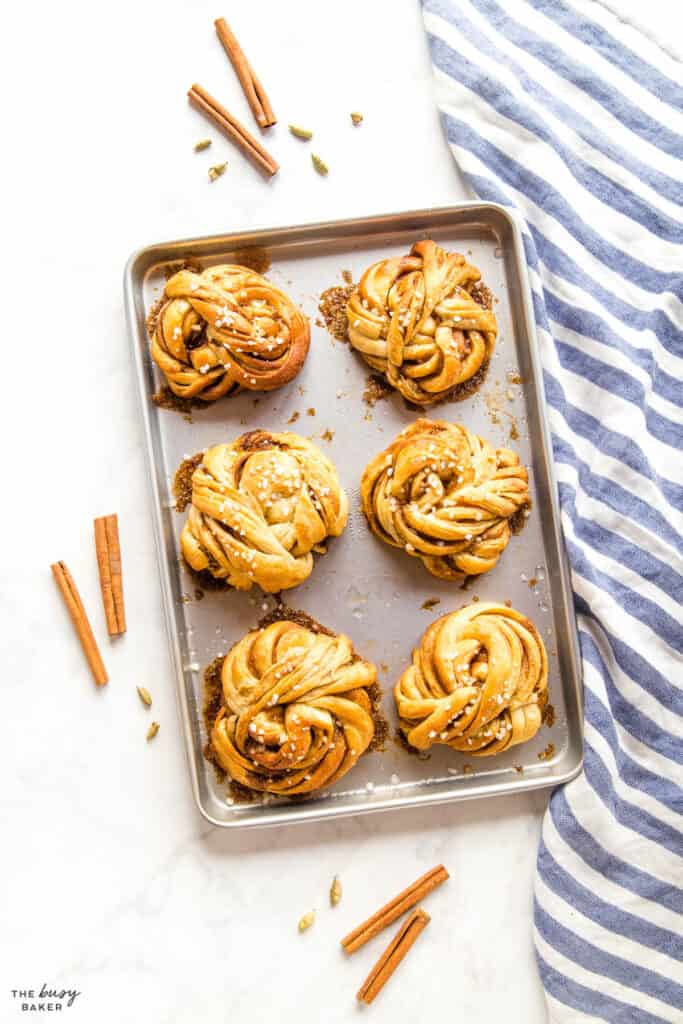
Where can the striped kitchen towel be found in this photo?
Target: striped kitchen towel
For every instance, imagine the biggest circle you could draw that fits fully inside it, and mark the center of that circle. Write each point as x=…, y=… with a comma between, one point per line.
x=564, y=112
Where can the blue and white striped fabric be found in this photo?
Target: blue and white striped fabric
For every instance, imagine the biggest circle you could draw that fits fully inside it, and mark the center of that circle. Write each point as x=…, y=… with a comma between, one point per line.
x=561, y=110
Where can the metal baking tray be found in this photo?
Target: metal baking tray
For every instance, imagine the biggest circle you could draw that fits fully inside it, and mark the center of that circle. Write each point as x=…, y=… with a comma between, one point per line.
x=363, y=587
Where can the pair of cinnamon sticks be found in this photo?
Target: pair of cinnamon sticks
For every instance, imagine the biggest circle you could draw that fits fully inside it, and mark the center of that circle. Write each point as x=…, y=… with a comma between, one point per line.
x=108, y=550
x=256, y=97
x=404, y=938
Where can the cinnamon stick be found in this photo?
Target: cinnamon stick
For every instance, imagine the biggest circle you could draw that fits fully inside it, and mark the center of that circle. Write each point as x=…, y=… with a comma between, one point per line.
x=253, y=90
x=73, y=602
x=392, y=955
x=224, y=120
x=111, y=580
x=387, y=914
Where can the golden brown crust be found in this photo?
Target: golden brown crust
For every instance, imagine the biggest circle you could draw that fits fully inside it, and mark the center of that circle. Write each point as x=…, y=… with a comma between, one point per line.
x=478, y=682
x=225, y=329
x=421, y=320
x=444, y=495
x=295, y=711
x=260, y=507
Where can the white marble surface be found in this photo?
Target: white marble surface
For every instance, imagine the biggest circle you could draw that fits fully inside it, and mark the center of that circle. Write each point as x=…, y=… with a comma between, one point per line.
x=111, y=882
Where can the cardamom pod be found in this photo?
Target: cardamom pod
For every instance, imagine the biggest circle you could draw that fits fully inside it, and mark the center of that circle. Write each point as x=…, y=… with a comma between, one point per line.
x=306, y=921
x=145, y=696
x=300, y=133
x=356, y=117
x=217, y=170
x=153, y=730
x=319, y=164
x=202, y=144
x=335, y=891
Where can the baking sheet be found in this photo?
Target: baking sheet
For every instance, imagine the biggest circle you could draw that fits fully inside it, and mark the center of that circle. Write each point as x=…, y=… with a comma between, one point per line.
x=363, y=587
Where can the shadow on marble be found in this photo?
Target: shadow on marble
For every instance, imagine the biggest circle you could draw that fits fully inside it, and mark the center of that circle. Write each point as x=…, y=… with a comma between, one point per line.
x=462, y=817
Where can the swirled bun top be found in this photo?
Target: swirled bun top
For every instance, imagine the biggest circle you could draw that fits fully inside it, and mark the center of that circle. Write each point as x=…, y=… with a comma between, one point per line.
x=478, y=681
x=296, y=713
x=446, y=496
x=260, y=506
x=226, y=329
x=421, y=320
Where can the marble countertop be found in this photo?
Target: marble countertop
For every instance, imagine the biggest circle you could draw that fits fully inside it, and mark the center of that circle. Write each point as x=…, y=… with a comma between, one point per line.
x=112, y=883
